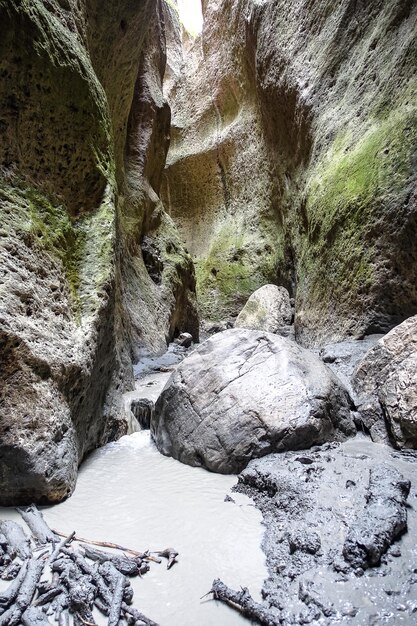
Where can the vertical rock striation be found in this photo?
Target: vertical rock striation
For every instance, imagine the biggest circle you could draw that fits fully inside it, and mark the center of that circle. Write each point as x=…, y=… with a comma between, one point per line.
x=218, y=183
x=71, y=223
x=156, y=269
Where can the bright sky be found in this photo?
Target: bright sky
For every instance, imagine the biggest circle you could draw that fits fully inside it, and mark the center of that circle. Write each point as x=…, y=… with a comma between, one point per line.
x=190, y=14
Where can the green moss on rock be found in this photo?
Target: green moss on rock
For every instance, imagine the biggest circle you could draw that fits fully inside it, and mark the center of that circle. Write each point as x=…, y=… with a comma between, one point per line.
x=49, y=228
x=239, y=262
x=354, y=201
x=355, y=176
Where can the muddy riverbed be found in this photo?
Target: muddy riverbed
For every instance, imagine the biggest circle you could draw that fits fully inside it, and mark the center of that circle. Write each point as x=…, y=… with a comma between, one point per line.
x=307, y=504
x=312, y=500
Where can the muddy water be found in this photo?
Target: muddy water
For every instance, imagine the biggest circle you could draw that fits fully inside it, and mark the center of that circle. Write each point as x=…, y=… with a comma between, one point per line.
x=130, y=494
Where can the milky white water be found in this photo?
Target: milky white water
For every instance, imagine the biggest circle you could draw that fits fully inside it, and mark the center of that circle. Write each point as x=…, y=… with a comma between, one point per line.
x=130, y=494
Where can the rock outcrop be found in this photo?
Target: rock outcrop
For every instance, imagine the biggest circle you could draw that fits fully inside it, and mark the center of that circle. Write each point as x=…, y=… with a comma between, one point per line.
x=217, y=183
x=293, y=160
x=78, y=229
x=268, y=309
x=157, y=273
x=385, y=382
x=243, y=394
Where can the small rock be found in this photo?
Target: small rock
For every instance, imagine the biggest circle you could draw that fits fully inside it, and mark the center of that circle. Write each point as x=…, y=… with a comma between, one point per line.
x=211, y=328
x=304, y=541
x=349, y=610
x=395, y=551
x=392, y=592
x=305, y=460
x=184, y=339
x=280, y=567
x=328, y=358
x=340, y=566
x=268, y=309
x=385, y=384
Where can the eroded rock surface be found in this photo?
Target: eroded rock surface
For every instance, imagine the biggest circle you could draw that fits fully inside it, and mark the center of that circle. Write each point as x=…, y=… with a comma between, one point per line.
x=157, y=273
x=342, y=357
x=243, y=394
x=385, y=382
x=383, y=519
x=268, y=309
x=83, y=140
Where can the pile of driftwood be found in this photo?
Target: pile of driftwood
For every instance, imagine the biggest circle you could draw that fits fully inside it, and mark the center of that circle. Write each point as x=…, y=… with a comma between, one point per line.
x=53, y=578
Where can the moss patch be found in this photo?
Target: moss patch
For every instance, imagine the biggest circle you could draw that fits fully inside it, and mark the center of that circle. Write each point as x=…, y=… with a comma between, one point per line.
x=47, y=227
x=355, y=176
x=354, y=201
x=239, y=262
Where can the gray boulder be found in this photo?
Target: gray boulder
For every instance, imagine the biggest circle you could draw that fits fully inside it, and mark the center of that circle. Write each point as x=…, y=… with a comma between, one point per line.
x=385, y=382
x=243, y=394
x=268, y=309
x=185, y=340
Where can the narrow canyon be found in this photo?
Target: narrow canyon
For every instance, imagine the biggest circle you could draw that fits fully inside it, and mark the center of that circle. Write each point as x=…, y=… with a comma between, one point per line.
x=208, y=312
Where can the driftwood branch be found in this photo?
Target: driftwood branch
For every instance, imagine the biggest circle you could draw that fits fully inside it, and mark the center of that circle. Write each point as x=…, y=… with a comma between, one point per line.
x=8, y=596
x=114, y=546
x=39, y=528
x=243, y=602
x=62, y=544
x=17, y=542
x=13, y=615
x=170, y=554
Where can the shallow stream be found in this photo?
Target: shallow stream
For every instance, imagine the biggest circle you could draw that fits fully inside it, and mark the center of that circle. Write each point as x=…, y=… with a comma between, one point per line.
x=128, y=493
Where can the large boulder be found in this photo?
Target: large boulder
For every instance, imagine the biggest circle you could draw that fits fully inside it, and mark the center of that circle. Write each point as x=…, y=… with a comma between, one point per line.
x=385, y=382
x=243, y=394
x=268, y=309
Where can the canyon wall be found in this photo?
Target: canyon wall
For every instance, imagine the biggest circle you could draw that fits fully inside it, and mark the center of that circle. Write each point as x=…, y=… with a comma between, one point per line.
x=83, y=137
x=290, y=158
x=293, y=160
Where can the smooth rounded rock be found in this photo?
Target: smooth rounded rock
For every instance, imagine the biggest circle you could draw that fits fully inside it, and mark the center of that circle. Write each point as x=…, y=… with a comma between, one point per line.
x=268, y=309
x=243, y=394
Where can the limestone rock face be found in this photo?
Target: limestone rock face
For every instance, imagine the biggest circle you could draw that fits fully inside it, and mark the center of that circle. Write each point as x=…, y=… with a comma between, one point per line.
x=217, y=183
x=386, y=384
x=268, y=309
x=293, y=160
x=243, y=394
x=67, y=328
x=158, y=277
